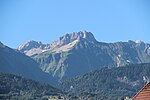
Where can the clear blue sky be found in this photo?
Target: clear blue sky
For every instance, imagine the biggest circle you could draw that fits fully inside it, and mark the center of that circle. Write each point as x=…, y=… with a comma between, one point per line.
x=46, y=20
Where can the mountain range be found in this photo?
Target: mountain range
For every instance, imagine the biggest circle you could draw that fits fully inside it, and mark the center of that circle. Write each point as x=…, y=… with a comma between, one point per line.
x=82, y=65
x=79, y=52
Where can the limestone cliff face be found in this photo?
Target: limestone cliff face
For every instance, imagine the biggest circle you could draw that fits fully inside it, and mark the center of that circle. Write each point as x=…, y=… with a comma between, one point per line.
x=32, y=47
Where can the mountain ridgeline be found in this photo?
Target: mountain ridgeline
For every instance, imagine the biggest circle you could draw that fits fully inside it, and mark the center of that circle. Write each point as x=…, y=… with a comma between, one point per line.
x=14, y=62
x=79, y=52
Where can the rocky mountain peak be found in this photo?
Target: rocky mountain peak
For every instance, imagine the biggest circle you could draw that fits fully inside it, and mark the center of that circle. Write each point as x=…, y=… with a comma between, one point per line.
x=138, y=41
x=64, y=43
x=69, y=38
x=89, y=36
x=77, y=35
x=29, y=45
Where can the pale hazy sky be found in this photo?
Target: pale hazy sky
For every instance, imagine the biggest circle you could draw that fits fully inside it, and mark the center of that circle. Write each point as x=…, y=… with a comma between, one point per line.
x=46, y=20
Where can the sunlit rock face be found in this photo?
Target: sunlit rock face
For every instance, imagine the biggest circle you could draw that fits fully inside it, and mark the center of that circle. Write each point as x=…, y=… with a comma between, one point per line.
x=32, y=47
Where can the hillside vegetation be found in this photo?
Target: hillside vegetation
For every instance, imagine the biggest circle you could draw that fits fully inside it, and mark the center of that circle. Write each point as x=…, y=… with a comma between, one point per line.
x=109, y=82
x=14, y=87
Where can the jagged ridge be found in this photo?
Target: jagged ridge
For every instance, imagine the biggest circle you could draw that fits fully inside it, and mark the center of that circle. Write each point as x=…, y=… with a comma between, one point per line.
x=79, y=52
x=32, y=47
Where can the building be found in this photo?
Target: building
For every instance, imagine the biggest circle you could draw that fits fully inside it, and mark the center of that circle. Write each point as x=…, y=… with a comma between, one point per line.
x=143, y=94
x=56, y=98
